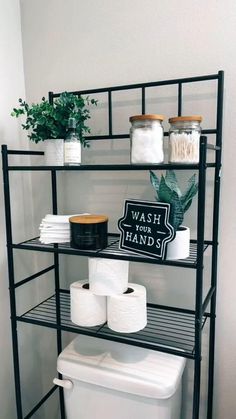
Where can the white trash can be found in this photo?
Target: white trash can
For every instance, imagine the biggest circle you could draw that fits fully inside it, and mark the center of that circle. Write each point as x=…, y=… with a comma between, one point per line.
x=110, y=380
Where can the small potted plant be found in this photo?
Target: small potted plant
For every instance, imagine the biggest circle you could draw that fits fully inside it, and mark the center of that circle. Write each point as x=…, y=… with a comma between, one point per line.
x=167, y=190
x=48, y=122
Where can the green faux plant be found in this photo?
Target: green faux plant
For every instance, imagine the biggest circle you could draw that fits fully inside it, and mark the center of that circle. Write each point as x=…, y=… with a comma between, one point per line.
x=167, y=190
x=47, y=120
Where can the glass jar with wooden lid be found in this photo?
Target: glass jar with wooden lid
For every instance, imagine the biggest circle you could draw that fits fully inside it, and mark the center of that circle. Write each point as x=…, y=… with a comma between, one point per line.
x=88, y=231
x=184, y=138
x=146, y=135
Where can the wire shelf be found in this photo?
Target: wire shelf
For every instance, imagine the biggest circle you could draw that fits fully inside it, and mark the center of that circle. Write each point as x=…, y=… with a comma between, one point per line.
x=112, y=251
x=168, y=330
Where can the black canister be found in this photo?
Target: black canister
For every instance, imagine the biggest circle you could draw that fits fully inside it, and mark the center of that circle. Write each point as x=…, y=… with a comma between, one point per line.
x=88, y=232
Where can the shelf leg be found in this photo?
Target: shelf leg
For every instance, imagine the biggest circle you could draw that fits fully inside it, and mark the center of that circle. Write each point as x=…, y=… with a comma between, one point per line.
x=57, y=292
x=197, y=387
x=220, y=94
x=11, y=281
x=211, y=365
x=16, y=367
x=199, y=276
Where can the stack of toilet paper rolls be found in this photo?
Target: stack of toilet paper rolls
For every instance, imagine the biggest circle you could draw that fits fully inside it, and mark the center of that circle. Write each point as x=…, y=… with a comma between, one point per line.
x=108, y=297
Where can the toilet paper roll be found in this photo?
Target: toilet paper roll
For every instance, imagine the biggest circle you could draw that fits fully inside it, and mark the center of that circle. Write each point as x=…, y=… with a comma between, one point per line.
x=87, y=309
x=127, y=313
x=108, y=276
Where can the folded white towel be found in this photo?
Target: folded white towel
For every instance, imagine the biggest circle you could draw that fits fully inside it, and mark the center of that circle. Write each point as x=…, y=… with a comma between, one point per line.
x=59, y=236
x=62, y=226
x=54, y=241
x=58, y=219
x=55, y=228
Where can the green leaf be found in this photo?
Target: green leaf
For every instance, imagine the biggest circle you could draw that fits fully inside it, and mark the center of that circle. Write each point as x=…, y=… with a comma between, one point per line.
x=189, y=198
x=187, y=205
x=189, y=193
x=165, y=193
x=191, y=182
x=154, y=181
x=172, y=182
x=176, y=212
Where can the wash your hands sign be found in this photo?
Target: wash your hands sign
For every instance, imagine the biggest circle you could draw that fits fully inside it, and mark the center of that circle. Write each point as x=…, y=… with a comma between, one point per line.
x=145, y=228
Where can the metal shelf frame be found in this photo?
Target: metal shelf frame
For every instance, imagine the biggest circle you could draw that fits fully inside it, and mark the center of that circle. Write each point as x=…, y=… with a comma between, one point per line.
x=112, y=251
x=170, y=329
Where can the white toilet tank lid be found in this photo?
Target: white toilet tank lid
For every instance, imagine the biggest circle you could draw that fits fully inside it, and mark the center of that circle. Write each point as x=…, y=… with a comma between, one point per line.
x=121, y=367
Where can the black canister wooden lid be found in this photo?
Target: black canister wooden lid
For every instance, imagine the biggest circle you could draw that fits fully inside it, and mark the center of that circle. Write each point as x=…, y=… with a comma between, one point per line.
x=88, y=219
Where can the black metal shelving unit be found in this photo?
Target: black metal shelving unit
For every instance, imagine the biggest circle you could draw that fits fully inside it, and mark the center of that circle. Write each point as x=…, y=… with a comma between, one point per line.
x=173, y=330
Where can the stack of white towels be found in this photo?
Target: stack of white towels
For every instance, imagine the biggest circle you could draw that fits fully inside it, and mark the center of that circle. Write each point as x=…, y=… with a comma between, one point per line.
x=55, y=229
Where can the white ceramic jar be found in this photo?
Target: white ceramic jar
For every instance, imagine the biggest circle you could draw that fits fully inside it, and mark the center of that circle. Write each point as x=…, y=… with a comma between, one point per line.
x=54, y=152
x=184, y=138
x=146, y=135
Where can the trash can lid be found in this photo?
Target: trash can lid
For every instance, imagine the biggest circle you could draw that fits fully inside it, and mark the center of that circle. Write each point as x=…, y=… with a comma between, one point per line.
x=121, y=367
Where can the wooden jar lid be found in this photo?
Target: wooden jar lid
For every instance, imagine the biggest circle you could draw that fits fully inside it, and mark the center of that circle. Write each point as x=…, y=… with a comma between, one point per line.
x=197, y=118
x=148, y=116
x=88, y=219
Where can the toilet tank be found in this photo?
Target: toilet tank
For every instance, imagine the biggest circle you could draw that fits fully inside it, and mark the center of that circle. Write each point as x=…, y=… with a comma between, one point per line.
x=110, y=380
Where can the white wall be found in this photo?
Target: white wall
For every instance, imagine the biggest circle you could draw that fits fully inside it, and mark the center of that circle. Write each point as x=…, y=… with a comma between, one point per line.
x=74, y=44
x=11, y=86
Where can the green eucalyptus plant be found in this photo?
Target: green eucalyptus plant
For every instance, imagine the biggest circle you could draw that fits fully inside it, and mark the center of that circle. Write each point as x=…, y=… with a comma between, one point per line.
x=47, y=120
x=167, y=190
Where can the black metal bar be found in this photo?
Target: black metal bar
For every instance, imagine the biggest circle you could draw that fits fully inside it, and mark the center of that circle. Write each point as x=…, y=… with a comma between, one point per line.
x=220, y=94
x=140, y=85
x=42, y=401
x=109, y=113
x=112, y=167
x=172, y=308
x=208, y=299
x=208, y=242
x=30, y=278
x=8, y=221
x=143, y=101
x=125, y=136
x=54, y=191
x=26, y=152
x=213, y=147
x=121, y=137
x=51, y=95
x=209, y=131
x=179, y=99
x=101, y=137
x=199, y=275
x=57, y=289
